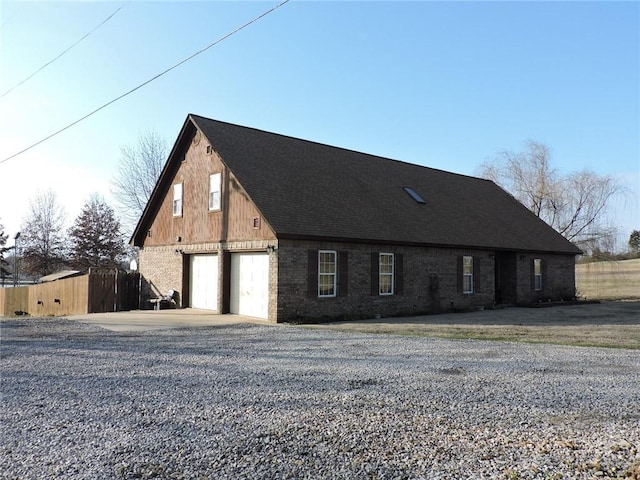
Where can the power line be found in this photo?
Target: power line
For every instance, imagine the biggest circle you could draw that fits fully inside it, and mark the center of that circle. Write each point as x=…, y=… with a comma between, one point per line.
x=224, y=37
x=61, y=54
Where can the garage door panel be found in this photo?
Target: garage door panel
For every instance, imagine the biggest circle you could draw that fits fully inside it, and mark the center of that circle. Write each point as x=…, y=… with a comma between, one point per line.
x=204, y=282
x=250, y=284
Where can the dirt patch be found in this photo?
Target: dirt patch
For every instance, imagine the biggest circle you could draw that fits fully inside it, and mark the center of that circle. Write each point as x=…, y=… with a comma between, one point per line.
x=607, y=324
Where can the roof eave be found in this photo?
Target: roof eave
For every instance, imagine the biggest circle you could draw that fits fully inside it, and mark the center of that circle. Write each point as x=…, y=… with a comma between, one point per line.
x=318, y=238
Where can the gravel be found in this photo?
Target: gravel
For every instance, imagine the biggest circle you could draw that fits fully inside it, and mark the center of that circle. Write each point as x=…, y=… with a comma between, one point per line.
x=248, y=401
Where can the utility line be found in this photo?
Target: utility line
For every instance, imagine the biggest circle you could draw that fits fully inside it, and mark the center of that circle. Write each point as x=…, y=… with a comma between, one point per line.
x=224, y=37
x=61, y=54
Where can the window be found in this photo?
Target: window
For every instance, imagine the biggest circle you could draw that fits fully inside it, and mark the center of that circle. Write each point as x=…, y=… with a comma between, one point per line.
x=385, y=282
x=326, y=273
x=214, y=191
x=537, y=274
x=467, y=274
x=177, y=200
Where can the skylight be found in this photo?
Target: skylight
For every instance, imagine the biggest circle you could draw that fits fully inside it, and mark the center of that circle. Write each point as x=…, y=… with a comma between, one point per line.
x=414, y=195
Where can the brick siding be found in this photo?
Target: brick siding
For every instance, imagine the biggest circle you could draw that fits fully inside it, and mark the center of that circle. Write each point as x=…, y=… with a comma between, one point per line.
x=161, y=270
x=430, y=279
x=558, y=278
x=430, y=282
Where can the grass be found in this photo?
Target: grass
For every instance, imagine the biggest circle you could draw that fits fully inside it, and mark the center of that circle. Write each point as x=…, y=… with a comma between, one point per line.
x=613, y=280
x=619, y=337
x=612, y=324
x=604, y=336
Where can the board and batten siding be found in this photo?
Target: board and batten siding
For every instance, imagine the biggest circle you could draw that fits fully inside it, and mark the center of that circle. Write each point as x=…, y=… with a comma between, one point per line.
x=238, y=218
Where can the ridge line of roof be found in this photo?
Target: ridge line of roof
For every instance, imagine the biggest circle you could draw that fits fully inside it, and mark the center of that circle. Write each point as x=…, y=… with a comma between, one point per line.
x=337, y=147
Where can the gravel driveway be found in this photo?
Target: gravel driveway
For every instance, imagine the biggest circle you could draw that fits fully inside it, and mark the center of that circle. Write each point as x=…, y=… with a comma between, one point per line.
x=248, y=401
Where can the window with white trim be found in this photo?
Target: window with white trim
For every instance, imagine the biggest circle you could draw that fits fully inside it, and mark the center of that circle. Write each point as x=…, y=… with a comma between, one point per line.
x=467, y=274
x=537, y=274
x=177, y=200
x=385, y=272
x=327, y=267
x=214, y=191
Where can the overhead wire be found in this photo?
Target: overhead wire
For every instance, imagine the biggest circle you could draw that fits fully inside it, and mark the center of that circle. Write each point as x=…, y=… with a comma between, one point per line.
x=62, y=53
x=202, y=50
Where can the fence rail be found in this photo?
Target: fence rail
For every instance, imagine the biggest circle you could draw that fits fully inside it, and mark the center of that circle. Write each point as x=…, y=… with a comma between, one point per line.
x=103, y=290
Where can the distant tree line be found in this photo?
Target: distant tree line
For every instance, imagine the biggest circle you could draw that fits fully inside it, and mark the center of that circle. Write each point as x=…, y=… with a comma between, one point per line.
x=598, y=255
x=45, y=246
x=97, y=235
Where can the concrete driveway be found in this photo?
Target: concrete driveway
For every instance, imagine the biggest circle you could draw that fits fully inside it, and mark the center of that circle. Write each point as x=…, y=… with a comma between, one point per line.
x=141, y=320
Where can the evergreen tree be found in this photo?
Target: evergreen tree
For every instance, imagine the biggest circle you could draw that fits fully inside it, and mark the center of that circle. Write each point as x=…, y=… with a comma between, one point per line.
x=96, y=240
x=634, y=241
x=4, y=272
x=42, y=241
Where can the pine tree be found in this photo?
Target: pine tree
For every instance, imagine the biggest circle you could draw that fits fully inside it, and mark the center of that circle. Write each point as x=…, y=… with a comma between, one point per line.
x=96, y=240
x=4, y=272
x=634, y=241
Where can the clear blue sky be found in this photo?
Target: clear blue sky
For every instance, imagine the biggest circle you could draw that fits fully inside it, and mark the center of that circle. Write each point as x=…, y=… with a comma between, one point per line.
x=442, y=84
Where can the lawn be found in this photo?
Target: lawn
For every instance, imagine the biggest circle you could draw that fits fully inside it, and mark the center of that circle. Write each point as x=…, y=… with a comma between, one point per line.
x=612, y=324
x=613, y=280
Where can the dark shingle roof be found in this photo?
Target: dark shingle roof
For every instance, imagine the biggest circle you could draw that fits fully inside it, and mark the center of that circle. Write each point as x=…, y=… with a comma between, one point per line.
x=307, y=189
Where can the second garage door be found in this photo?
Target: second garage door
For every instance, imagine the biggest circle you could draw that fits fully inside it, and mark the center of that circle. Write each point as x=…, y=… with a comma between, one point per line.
x=250, y=284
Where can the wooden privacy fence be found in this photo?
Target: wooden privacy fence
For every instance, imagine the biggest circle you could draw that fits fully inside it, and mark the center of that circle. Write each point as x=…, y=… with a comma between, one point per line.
x=101, y=290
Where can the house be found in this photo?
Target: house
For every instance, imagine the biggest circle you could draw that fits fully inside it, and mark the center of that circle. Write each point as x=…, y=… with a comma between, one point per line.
x=260, y=224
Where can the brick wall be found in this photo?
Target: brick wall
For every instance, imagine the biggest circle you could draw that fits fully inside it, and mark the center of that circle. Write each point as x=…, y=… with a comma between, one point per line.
x=430, y=282
x=161, y=270
x=558, y=278
x=430, y=279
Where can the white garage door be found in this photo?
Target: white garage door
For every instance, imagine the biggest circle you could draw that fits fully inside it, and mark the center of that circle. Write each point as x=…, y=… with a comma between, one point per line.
x=204, y=282
x=250, y=284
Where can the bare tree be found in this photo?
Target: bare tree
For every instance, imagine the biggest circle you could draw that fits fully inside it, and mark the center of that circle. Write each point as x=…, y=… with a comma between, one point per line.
x=575, y=204
x=138, y=170
x=42, y=235
x=95, y=236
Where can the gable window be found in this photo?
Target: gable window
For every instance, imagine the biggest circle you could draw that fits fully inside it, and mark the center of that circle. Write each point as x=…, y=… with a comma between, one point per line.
x=467, y=274
x=386, y=271
x=177, y=200
x=326, y=273
x=537, y=274
x=214, y=191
